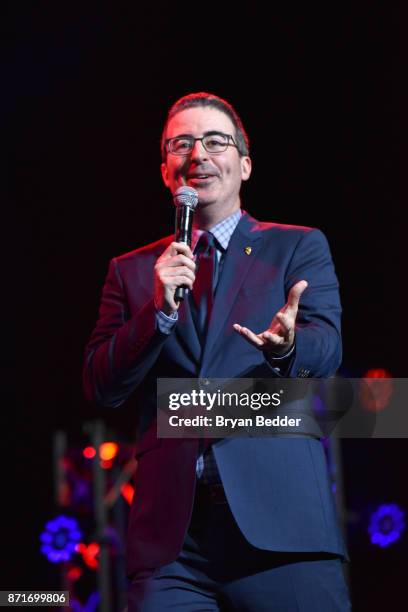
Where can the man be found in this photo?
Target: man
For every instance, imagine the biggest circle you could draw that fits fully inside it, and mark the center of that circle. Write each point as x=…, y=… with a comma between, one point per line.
x=247, y=523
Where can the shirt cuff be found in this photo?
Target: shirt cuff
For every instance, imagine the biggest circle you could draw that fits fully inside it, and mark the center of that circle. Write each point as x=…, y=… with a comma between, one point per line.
x=281, y=363
x=285, y=356
x=165, y=323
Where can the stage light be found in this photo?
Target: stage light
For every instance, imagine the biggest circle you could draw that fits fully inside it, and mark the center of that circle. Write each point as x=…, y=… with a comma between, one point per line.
x=89, y=553
x=377, y=373
x=60, y=538
x=91, y=605
x=74, y=572
x=386, y=525
x=376, y=389
x=128, y=492
x=108, y=451
x=89, y=452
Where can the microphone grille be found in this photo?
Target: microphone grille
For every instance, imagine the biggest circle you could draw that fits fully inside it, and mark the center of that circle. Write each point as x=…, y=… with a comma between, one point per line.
x=186, y=196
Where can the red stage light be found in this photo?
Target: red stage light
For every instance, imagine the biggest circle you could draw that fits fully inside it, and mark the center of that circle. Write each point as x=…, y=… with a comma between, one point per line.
x=89, y=553
x=74, y=572
x=128, y=492
x=376, y=389
x=377, y=373
x=89, y=452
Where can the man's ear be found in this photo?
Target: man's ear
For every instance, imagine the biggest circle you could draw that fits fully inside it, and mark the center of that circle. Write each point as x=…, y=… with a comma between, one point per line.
x=165, y=174
x=246, y=167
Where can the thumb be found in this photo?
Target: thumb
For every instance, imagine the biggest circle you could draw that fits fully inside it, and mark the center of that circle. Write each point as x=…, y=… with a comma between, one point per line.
x=295, y=293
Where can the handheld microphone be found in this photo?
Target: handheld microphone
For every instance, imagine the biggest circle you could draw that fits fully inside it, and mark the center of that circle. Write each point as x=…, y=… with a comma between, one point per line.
x=186, y=200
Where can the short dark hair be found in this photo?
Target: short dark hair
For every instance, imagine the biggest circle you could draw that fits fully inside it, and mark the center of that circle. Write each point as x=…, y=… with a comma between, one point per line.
x=204, y=99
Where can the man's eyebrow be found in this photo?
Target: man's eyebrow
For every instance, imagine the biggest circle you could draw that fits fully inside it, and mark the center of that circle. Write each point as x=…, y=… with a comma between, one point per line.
x=208, y=133
x=212, y=132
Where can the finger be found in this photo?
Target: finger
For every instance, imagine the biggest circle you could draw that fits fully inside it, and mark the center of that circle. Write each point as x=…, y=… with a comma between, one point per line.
x=248, y=335
x=180, y=280
x=181, y=260
x=282, y=322
x=286, y=322
x=170, y=273
x=180, y=247
x=294, y=295
x=178, y=271
x=271, y=339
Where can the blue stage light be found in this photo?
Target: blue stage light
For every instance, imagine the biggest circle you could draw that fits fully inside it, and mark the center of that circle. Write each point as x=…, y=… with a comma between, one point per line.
x=60, y=538
x=386, y=525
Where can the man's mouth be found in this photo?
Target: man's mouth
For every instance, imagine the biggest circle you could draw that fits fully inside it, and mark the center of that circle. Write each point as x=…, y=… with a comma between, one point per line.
x=200, y=178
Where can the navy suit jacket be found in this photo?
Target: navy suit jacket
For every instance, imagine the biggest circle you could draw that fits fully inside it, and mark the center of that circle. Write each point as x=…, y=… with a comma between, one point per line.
x=278, y=488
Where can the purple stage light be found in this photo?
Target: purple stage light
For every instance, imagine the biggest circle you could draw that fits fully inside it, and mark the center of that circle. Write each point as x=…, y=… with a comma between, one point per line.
x=90, y=606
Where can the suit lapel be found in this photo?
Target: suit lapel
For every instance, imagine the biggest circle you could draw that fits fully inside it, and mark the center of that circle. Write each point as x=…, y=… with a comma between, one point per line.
x=240, y=256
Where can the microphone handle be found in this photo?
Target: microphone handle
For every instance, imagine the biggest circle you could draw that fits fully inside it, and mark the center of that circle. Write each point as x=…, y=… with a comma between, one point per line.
x=180, y=293
x=184, y=228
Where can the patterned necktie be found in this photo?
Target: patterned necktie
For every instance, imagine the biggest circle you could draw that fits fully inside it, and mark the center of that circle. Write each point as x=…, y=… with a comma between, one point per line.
x=207, y=275
x=205, y=282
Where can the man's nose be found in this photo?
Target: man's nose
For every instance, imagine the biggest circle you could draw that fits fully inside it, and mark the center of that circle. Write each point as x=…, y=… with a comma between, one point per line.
x=198, y=151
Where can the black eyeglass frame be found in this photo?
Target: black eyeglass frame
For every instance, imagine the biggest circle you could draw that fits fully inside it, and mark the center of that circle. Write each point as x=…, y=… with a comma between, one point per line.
x=193, y=140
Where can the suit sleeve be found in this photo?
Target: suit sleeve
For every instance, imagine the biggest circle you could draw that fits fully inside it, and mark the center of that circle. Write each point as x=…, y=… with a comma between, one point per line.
x=318, y=327
x=318, y=349
x=122, y=349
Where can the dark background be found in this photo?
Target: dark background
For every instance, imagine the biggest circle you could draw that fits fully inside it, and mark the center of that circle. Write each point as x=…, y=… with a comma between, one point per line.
x=86, y=93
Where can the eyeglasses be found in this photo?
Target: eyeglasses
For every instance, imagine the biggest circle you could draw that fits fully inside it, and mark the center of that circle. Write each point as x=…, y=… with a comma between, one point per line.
x=213, y=143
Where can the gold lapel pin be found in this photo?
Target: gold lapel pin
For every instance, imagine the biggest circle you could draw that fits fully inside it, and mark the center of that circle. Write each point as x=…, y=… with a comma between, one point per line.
x=248, y=250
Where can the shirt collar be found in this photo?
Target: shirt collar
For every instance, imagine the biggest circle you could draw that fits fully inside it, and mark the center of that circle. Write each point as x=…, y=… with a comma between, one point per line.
x=222, y=230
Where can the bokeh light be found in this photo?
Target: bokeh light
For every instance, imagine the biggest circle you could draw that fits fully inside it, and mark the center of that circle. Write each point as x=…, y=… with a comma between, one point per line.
x=60, y=538
x=386, y=525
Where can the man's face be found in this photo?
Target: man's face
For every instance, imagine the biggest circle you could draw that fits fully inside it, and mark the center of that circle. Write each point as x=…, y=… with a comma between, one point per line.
x=216, y=177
